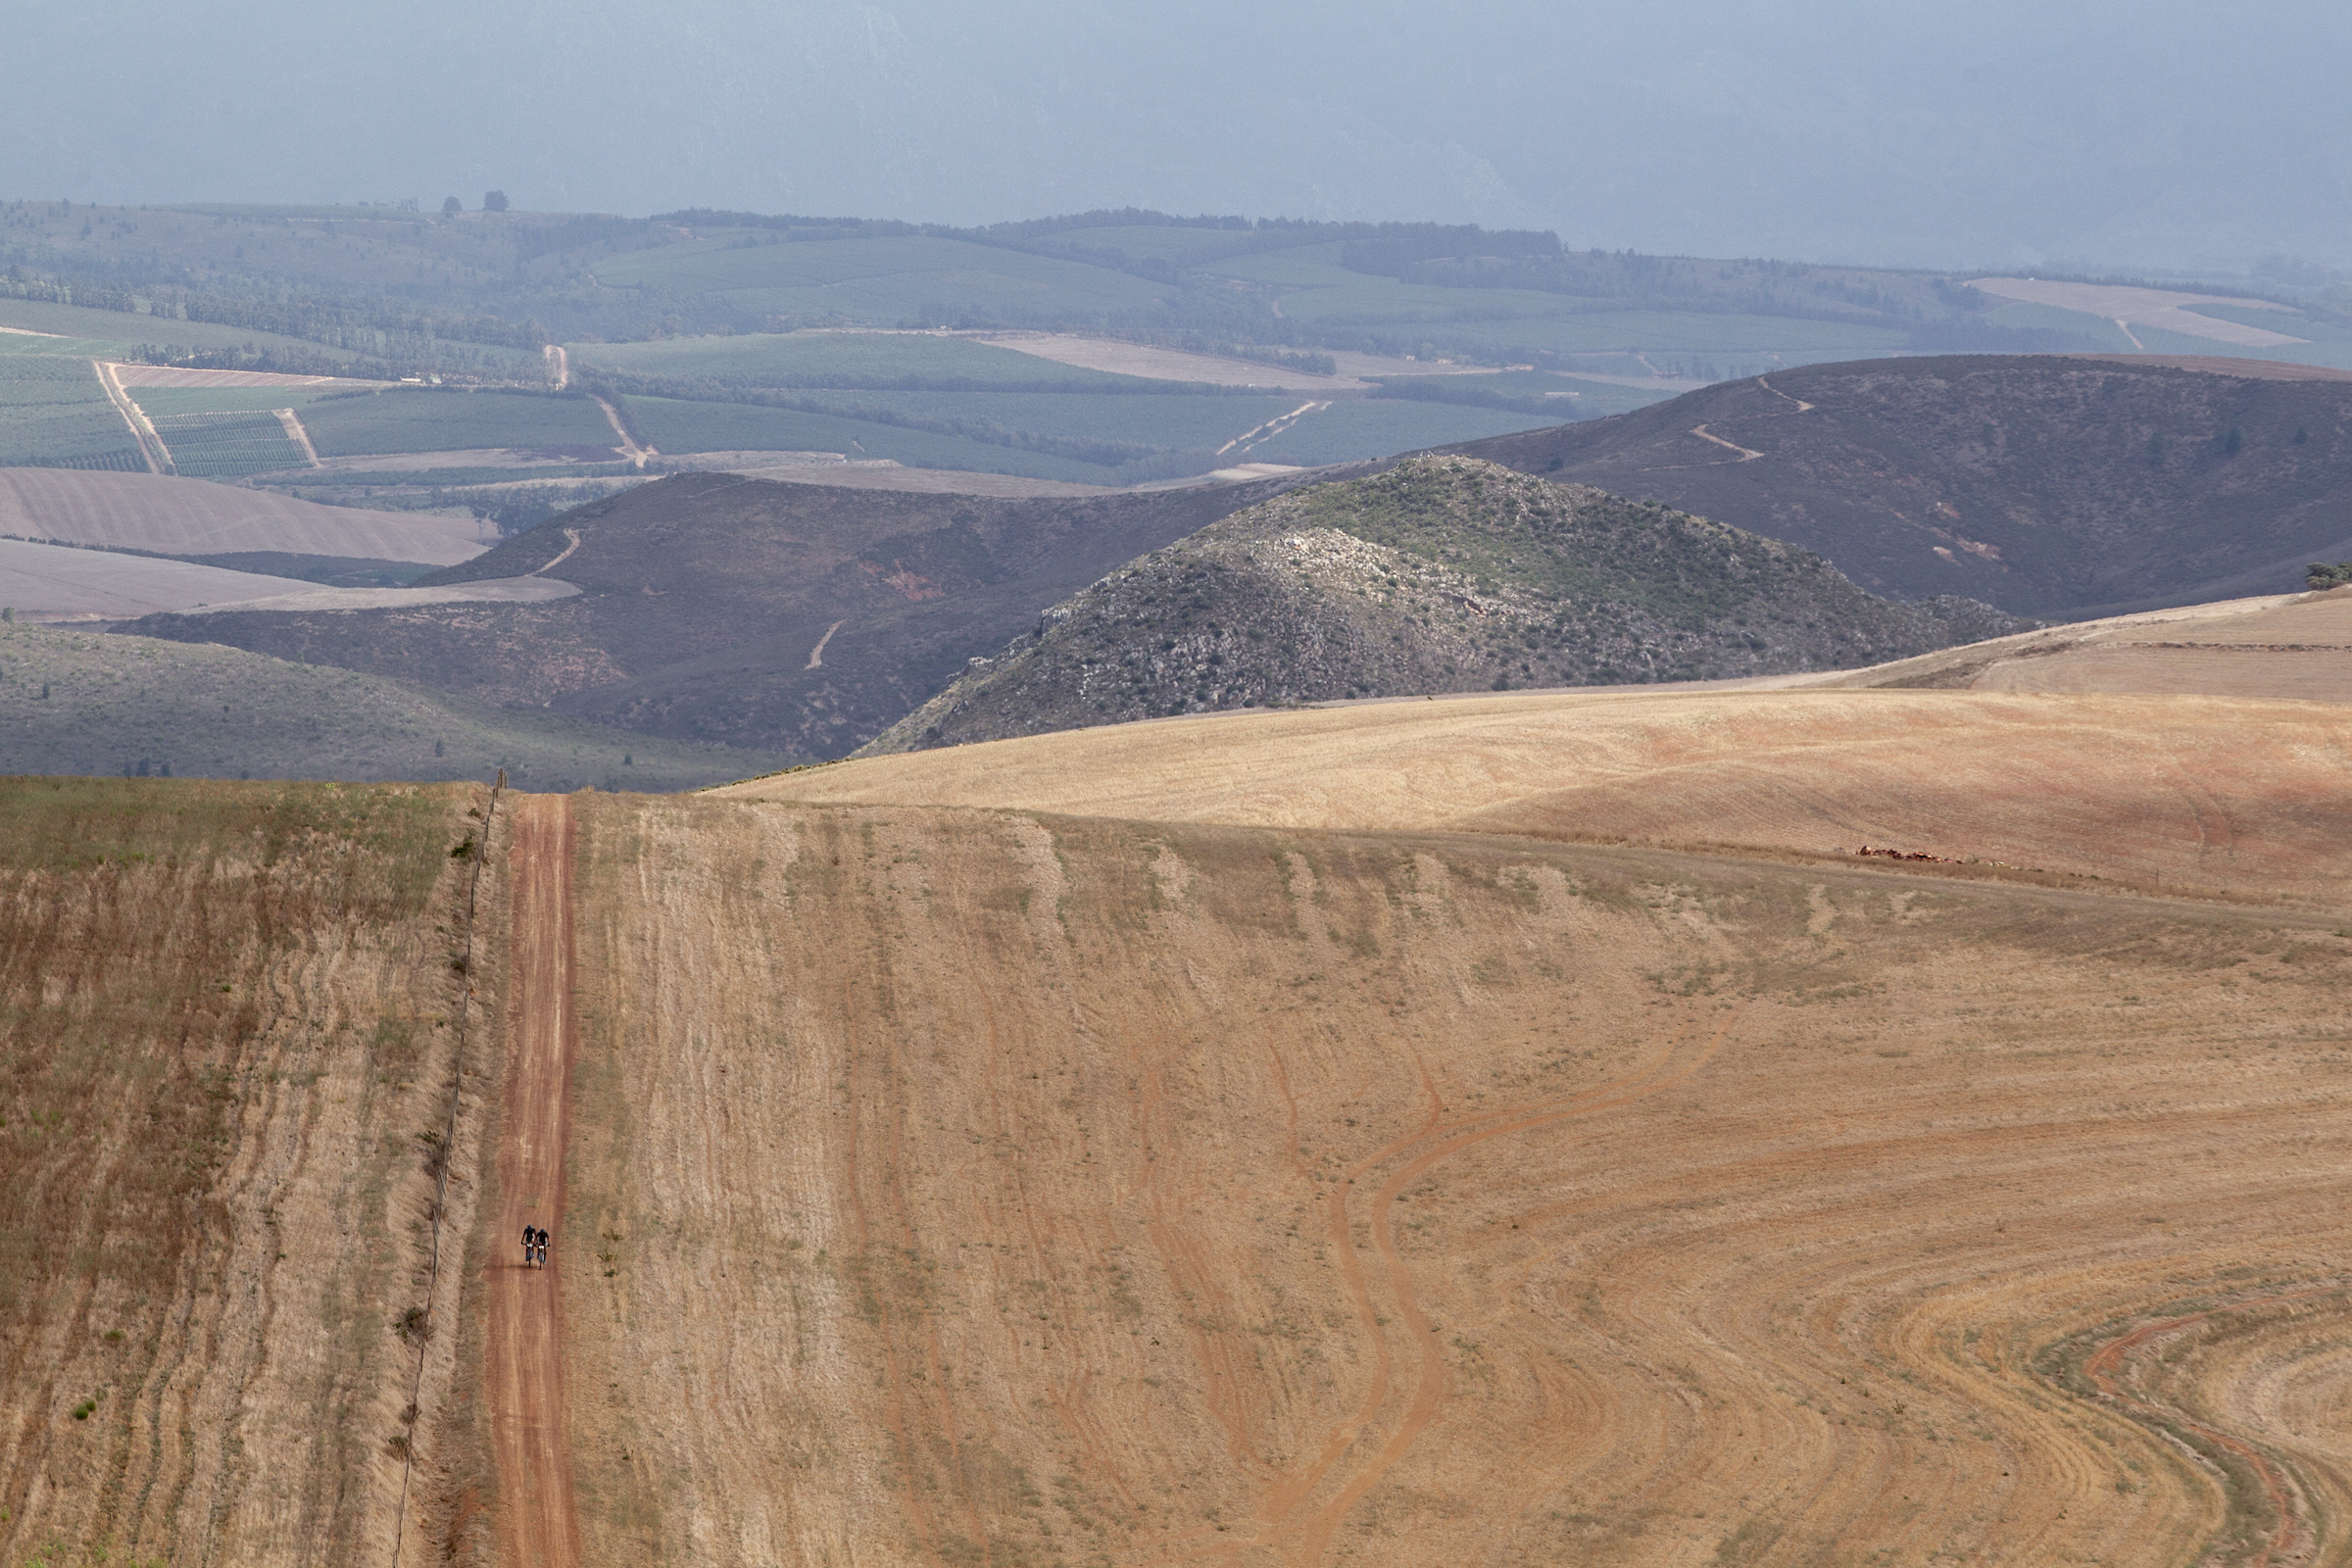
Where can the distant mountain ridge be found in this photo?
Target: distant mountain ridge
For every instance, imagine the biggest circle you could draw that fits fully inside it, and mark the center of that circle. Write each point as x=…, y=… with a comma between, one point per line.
x=1438, y=574
x=2048, y=486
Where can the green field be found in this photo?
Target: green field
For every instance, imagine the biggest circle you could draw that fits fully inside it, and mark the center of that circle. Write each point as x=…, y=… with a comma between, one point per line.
x=674, y=425
x=1321, y=294
x=1376, y=427
x=60, y=348
x=874, y=360
x=901, y=279
x=1181, y=247
x=373, y=423
x=227, y=446
x=158, y=400
x=1173, y=421
x=123, y=331
x=1566, y=397
x=54, y=415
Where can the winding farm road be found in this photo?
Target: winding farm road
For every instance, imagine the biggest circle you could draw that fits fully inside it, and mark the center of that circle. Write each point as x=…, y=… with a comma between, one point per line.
x=538, y=1526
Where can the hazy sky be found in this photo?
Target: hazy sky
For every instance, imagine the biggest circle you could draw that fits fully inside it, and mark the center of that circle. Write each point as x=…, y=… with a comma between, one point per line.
x=2155, y=134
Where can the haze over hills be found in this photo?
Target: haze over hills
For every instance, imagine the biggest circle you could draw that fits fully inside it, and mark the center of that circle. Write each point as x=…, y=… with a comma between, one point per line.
x=74, y=700
x=717, y=607
x=2055, y=487
x=1440, y=574
x=2125, y=135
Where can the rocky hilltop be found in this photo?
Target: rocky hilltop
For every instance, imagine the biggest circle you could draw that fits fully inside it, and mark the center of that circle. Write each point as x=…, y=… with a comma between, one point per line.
x=1442, y=574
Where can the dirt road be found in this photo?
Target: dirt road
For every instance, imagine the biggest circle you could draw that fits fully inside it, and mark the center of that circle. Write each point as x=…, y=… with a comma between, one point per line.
x=537, y=1524
x=152, y=450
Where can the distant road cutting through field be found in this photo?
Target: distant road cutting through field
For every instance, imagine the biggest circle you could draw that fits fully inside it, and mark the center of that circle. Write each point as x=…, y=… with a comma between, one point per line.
x=538, y=1525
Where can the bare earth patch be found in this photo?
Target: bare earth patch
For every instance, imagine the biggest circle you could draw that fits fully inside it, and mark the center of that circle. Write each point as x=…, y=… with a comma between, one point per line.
x=2143, y=307
x=197, y=517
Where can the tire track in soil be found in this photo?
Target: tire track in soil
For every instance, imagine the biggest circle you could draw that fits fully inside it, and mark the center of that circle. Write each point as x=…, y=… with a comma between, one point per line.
x=1303, y=1538
x=2293, y=1535
x=538, y=1526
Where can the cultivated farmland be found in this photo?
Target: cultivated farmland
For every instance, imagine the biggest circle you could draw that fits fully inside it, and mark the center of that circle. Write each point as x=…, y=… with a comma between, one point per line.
x=868, y=360
x=227, y=445
x=54, y=413
x=1309, y=1154
x=234, y=1033
x=190, y=518
x=368, y=423
x=914, y=281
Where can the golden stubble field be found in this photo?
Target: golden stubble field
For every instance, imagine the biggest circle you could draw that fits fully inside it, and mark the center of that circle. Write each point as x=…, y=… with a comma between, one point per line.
x=228, y=1025
x=981, y=1186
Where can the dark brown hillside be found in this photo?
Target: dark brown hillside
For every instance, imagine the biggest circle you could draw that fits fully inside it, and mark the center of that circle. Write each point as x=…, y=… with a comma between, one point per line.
x=706, y=598
x=2048, y=486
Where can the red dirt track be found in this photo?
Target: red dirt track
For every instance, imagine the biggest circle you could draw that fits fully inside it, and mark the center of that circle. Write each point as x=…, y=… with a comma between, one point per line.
x=538, y=1526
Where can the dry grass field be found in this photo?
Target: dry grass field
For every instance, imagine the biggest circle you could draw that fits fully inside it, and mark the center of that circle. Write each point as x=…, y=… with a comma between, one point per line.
x=975, y=1186
x=230, y=1021
x=2293, y=646
x=1499, y=1131
x=2187, y=794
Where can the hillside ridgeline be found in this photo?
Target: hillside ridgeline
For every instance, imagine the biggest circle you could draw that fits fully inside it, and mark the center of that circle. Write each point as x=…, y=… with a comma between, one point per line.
x=2048, y=486
x=76, y=702
x=1442, y=574
x=776, y=618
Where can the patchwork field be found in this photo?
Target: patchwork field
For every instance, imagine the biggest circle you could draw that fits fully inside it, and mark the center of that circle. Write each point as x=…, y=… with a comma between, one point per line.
x=911, y=281
x=824, y=359
x=54, y=412
x=439, y=421
x=226, y=445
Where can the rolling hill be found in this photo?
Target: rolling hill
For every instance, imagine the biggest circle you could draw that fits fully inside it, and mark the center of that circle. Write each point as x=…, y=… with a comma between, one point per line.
x=1499, y=1128
x=2048, y=486
x=720, y=608
x=76, y=702
x=1440, y=574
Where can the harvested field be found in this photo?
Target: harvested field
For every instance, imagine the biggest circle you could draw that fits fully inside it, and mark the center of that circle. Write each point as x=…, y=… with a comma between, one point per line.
x=2219, y=364
x=929, y=481
x=1169, y=365
x=986, y=1187
x=2295, y=646
x=144, y=375
x=195, y=518
x=231, y=1024
x=62, y=582
x=59, y=583
x=2188, y=793
x=473, y=458
x=2147, y=306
